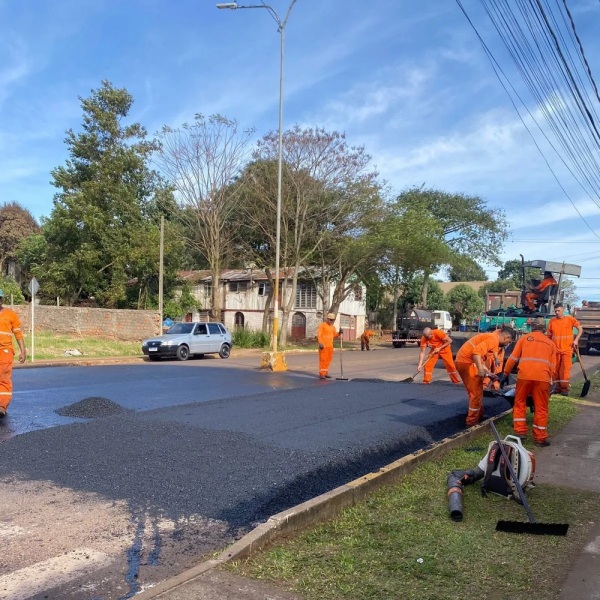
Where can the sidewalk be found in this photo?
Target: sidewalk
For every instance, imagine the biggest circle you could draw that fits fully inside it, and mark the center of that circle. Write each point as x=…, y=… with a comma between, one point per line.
x=571, y=461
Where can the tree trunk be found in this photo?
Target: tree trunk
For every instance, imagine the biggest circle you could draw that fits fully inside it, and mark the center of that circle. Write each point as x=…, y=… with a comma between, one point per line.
x=215, y=308
x=266, y=323
x=288, y=306
x=425, y=289
x=396, y=296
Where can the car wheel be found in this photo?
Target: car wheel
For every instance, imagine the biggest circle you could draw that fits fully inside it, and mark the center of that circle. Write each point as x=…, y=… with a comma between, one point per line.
x=154, y=358
x=183, y=353
x=225, y=351
x=399, y=344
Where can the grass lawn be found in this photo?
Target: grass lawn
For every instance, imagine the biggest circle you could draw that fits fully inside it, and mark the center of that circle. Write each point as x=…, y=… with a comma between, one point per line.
x=51, y=345
x=401, y=544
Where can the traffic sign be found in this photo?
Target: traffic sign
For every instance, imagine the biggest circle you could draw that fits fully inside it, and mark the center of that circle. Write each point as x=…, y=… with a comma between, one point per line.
x=34, y=286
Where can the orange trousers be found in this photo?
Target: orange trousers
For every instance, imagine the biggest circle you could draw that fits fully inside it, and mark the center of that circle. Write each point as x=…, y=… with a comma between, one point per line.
x=446, y=356
x=540, y=392
x=474, y=385
x=563, y=371
x=325, y=357
x=6, y=366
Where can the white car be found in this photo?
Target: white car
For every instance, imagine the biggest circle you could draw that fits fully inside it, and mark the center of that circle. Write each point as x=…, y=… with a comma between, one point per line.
x=183, y=340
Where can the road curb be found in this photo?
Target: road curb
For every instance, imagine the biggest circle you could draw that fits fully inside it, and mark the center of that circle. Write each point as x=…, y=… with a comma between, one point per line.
x=317, y=509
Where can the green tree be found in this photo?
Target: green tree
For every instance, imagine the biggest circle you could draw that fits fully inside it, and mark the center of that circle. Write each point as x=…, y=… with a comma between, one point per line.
x=466, y=269
x=468, y=225
x=500, y=285
x=436, y=298
x=12, y=291
x=16, y=224
x=106, y=209
x=465, y=303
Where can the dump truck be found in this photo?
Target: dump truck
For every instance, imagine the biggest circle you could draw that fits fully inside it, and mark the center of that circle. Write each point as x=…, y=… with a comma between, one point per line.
x=589, y=317
x=410, y=325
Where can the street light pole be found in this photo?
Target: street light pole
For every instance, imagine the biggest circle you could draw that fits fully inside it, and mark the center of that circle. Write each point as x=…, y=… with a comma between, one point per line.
x=275, y=360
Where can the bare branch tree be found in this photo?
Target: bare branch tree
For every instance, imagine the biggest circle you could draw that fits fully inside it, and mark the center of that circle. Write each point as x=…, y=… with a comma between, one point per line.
x=202, y=160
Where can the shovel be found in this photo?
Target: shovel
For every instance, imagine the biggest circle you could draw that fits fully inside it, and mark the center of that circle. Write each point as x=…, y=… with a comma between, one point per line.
x=516, y=526
x=411, y=379
x=586, y=386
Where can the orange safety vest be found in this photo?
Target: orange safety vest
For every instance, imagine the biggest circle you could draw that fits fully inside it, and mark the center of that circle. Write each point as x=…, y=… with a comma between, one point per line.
x=536, y=357
x=560, y=331
x=436, y=340
x=9, y=325
x=482, y=344
x=326, y=333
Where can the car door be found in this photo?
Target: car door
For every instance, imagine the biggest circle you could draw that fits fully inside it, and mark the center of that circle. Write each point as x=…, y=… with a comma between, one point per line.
x=216, y=337
x=200, y=339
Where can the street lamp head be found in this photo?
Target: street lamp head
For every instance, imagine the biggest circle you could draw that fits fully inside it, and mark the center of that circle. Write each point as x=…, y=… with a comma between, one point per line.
x=232, y=5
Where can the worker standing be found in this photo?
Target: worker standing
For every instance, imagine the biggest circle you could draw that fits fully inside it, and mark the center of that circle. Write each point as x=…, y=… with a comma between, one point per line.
x=9, y=326
x=439, y=343
x=325, y=336
x=535, y=356
x=560, y=331
x=536, y=292
x=471, y=365
x=365, y=339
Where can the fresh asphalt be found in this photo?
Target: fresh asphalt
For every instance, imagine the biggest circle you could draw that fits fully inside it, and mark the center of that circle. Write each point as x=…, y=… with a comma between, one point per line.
x=227, y=444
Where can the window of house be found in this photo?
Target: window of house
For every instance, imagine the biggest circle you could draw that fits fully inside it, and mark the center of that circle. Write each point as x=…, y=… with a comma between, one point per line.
x=238, y=286
x=306, y=296
x=263, y=288
x=208, y=290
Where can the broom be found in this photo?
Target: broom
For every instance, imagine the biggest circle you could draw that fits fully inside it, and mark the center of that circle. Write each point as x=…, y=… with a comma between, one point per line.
x=411, y=379
x=586, y=386
x=533, y=526
x=341, y=377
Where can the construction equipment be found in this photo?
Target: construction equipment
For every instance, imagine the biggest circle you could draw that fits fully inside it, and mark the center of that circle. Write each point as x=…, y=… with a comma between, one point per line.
x=410, y=325
x=341, y=377
x=589, y=317
x=533, y=527
x=586, y=386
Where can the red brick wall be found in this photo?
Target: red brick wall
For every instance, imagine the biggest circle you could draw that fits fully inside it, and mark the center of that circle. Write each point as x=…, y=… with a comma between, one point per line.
x=128, y=325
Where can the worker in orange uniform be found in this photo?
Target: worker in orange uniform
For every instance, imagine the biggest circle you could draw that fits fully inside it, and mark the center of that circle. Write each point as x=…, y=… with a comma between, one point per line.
x=560, y=331
x=494, y=363
x=471, y=364
x=439, y=343
x=365, y=339
x=9, y=326
x=535, y=356
x=536, y=292
x=325, y=336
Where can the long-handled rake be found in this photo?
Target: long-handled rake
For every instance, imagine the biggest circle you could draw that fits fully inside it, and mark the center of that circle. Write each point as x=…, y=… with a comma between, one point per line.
x=341, y=377
x=411, y=379
x=586, y=386
x=516, y=526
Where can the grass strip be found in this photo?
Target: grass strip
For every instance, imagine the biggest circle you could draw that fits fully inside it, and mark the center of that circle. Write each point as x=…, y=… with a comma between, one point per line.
x=52, y=345
x=401, y=543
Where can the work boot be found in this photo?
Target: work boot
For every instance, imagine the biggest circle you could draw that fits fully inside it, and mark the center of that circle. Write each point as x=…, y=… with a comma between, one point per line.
x=542, y=444
x=328, y=377
x=2, y=412
x=521, y=436
x=322, y=377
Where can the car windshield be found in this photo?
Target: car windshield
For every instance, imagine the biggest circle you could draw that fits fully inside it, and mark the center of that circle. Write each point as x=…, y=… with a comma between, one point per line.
x=179, y=328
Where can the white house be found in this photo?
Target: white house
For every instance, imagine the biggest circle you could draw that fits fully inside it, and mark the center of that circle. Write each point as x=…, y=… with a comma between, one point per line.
x=244, y=293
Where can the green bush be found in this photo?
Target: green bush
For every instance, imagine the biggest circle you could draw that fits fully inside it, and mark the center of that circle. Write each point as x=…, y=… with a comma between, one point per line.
x=10, y=286
x=248, y=338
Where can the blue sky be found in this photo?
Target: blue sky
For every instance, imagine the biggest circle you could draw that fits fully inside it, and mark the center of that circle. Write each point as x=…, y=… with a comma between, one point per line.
x=407, y=79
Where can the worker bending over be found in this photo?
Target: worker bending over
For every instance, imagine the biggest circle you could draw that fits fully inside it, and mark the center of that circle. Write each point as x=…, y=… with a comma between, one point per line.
x=535, y=356
x=440, y=346
x=471, y=364
x=365, y=339
x=560, y=331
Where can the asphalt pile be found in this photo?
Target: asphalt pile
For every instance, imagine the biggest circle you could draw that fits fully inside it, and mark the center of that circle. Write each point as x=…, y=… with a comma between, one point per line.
x=94, y=407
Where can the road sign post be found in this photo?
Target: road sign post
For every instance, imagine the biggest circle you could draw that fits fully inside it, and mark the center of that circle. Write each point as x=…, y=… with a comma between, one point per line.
x=34, y=288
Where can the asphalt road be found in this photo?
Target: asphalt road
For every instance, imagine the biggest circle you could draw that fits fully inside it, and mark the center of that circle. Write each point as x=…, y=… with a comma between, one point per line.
x=176, y=460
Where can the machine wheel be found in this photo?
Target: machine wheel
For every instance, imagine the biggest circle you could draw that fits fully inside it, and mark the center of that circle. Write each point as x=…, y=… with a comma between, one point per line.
x=183, y=352
x=225, y=351
x=398, y=344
